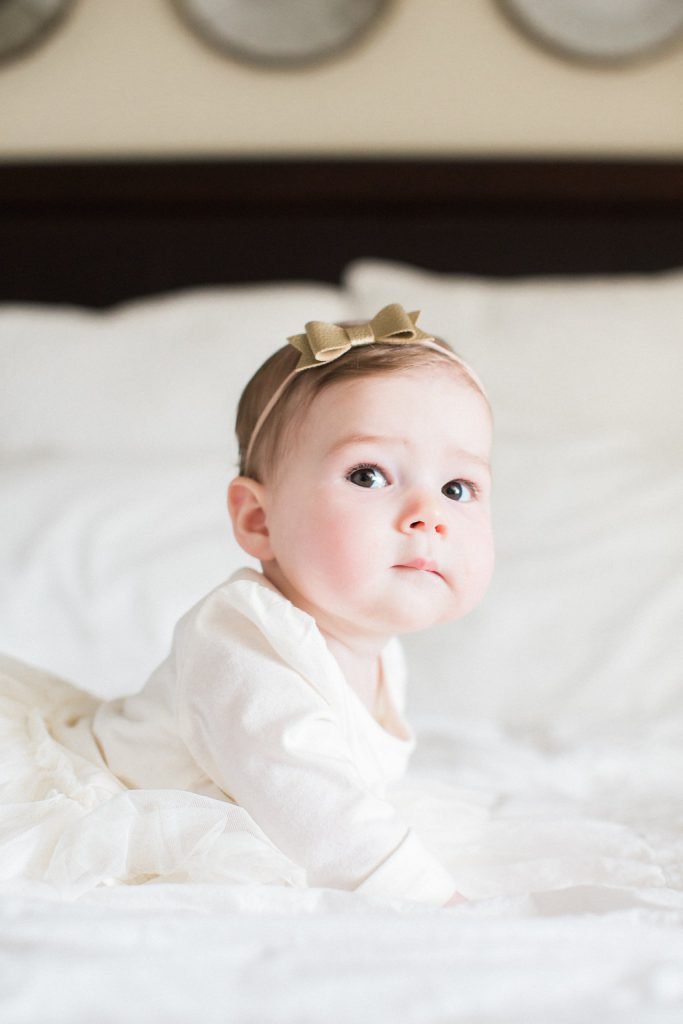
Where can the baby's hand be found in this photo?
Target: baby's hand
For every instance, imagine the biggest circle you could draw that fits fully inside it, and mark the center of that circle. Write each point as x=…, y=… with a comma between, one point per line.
x=456, y=898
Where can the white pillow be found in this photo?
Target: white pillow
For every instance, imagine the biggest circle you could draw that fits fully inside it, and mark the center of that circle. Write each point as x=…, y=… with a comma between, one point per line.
x=156, y=375
x=557, y=356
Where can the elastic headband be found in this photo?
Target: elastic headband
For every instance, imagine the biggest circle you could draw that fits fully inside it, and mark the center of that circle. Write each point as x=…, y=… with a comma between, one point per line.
x=323, y=343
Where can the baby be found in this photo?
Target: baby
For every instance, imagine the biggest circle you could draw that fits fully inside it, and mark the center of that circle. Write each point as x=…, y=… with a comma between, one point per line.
x=364, y=494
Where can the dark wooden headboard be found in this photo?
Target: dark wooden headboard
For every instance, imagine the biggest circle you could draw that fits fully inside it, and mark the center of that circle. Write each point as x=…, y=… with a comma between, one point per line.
x=97, y=233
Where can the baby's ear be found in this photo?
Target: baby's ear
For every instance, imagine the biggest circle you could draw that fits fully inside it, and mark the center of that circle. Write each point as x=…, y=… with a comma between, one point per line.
x=247, y=511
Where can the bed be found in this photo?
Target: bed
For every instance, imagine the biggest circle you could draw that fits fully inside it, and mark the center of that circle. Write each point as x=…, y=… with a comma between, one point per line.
x=136, y=299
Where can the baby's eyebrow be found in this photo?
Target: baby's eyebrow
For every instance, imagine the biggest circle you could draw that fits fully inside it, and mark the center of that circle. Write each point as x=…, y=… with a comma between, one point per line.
x=479, y=460
x=350, y=439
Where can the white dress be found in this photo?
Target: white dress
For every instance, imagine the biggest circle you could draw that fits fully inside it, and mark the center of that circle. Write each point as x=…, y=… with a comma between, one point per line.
x=247, y=757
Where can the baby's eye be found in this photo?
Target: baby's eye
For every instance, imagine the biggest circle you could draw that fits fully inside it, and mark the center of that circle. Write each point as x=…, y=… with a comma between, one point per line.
x=459, y=490
x=367, y=476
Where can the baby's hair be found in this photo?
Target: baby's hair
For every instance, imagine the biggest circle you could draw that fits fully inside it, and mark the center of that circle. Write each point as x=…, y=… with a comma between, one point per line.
x=279, y=428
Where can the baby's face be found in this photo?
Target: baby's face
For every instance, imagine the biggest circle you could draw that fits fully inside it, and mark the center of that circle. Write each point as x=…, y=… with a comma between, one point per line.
x=380, y=520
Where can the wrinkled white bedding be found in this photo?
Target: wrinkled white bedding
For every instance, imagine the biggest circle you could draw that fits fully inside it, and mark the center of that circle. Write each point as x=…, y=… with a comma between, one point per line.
x=574, y=848
x=549, y=768
x=240, y=956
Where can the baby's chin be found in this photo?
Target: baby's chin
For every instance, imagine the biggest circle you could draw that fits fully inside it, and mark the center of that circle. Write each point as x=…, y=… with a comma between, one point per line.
x=445, y=601
x=416, y=615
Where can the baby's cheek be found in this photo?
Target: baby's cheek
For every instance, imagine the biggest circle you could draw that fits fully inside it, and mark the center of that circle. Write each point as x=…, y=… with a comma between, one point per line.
x=344, y=548
x=341, y=545
x=481, y=567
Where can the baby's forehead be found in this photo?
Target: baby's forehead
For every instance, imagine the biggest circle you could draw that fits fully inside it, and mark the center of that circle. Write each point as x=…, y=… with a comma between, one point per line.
x=416, y=379
x=421, y=407
x=403, y=391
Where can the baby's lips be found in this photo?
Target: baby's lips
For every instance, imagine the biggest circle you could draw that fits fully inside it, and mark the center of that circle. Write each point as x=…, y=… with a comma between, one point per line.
x=421, y=563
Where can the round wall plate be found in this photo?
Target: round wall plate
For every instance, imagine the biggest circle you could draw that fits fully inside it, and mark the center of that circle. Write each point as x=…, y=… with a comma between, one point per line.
x=599, y=31
x=25, y=24
x=280, y=33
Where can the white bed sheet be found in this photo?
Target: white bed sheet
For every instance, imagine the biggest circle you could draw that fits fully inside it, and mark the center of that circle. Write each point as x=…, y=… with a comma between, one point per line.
x=245, y=957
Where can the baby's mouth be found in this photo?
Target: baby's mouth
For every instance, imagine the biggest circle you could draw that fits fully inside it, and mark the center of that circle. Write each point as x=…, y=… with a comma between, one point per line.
x=422, y=564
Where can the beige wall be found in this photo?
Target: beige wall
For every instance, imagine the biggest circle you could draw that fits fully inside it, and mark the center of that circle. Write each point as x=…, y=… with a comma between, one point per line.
x=125, y=77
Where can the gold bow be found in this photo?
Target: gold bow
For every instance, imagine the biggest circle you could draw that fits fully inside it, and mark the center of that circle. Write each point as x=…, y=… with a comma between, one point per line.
x=324, y=342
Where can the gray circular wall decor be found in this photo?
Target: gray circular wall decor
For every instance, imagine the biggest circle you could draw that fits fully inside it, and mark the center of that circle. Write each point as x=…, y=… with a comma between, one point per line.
x=604, y=32
x=25, y=24
x=281, y=33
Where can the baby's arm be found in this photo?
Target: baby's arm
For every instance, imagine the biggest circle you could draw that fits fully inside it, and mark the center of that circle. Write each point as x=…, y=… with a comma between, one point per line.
x=270, y=741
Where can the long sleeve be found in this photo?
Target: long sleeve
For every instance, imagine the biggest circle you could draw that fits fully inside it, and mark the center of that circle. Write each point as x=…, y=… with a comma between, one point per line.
x=276, y=746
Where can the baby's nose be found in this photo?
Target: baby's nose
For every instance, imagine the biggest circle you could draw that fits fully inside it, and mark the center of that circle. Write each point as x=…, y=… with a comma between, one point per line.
x=424, y=515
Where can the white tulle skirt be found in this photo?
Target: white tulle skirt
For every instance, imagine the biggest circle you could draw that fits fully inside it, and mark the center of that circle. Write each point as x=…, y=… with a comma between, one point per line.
x=66, y=820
